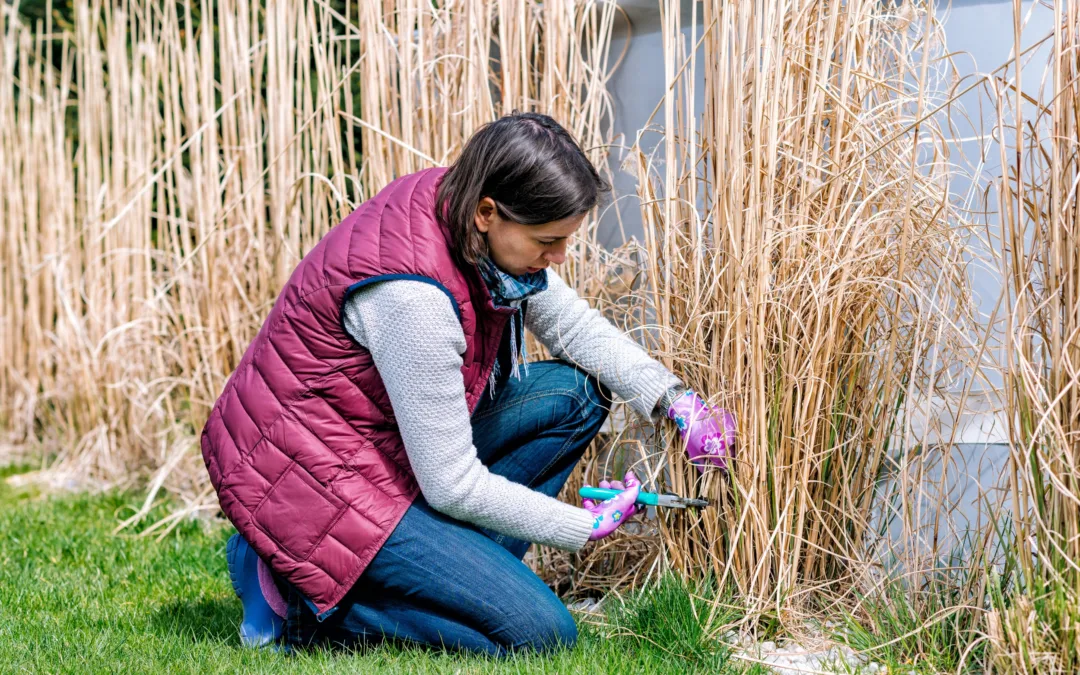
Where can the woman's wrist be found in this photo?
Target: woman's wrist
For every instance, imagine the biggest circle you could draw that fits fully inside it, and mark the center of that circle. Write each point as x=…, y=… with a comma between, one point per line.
x=665, y=402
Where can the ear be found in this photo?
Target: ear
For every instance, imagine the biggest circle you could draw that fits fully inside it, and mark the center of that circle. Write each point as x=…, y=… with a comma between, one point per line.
x=485, y=214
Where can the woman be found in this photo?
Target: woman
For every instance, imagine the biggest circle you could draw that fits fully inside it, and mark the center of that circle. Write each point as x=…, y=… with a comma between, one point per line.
x=384, y=449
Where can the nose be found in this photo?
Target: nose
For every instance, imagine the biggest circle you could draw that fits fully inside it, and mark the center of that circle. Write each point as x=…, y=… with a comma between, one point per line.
x=557, y=255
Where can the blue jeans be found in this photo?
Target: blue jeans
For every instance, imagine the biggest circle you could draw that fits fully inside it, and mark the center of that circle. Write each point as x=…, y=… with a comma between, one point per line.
x=442, y=582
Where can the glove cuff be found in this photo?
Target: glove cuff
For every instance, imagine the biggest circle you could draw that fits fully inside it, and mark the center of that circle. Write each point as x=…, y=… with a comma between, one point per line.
x=686, y=408
x=669, y=397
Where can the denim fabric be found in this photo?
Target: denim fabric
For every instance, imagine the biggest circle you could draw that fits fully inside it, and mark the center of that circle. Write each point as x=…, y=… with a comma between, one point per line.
x=445, y=583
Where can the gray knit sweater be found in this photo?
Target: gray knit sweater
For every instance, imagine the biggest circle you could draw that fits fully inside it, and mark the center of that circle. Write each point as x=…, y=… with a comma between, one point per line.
x=416, y=341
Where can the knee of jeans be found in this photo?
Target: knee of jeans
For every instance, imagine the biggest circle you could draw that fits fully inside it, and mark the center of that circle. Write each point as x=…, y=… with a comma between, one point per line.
x=584, y=398
x=550, y=629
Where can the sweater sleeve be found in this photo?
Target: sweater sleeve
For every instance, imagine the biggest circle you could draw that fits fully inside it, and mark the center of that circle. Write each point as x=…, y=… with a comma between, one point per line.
x=575, y=332
x=416, y=341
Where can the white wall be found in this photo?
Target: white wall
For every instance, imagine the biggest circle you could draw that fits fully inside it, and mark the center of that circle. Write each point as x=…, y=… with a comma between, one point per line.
x=637, y=86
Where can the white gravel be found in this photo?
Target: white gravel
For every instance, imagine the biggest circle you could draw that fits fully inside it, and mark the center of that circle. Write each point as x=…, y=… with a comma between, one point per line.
x=791, y=658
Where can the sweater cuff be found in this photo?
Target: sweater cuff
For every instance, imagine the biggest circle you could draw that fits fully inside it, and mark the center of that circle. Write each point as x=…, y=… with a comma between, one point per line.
x=573, y=529
x=652, y=382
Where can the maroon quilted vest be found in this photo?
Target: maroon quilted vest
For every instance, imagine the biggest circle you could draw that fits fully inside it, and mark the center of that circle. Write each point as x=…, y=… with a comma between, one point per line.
x=302, y=445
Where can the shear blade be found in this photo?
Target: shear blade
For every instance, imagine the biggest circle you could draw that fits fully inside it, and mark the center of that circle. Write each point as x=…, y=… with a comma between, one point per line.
x=678, y=502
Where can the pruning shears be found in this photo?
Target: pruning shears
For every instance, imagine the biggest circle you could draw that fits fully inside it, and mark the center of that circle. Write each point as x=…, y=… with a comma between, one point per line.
x=647, y=498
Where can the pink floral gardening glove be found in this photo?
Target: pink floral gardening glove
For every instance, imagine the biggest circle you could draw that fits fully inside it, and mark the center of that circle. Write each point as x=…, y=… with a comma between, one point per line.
x=613, y=512
x=709, y=435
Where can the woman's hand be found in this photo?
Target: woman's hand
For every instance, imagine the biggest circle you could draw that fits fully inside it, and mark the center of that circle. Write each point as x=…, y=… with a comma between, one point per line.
x=709, y=434
x=613, y=512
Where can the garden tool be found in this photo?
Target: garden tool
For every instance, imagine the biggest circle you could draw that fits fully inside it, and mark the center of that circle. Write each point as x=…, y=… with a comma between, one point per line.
x=647, y=498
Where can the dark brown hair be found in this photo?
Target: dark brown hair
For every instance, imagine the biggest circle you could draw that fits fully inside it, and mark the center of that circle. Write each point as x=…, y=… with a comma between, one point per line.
x=532, y=169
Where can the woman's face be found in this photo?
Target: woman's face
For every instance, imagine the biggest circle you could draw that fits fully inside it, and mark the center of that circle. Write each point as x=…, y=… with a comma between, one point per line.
x=522, y=249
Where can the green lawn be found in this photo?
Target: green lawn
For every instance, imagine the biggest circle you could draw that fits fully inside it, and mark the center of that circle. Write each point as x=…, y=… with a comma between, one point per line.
x=75, y=598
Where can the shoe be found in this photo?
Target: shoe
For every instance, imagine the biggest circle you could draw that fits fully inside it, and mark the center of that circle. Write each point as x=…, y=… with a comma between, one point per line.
x=264, y=617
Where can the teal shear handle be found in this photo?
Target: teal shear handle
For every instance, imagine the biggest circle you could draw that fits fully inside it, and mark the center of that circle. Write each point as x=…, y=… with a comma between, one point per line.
x=646, y=498
x=600, y=494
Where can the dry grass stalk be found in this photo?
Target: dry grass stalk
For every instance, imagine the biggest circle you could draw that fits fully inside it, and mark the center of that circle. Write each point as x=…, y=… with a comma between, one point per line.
x=803, y=270
x=1039, y=629
x=144, y=244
